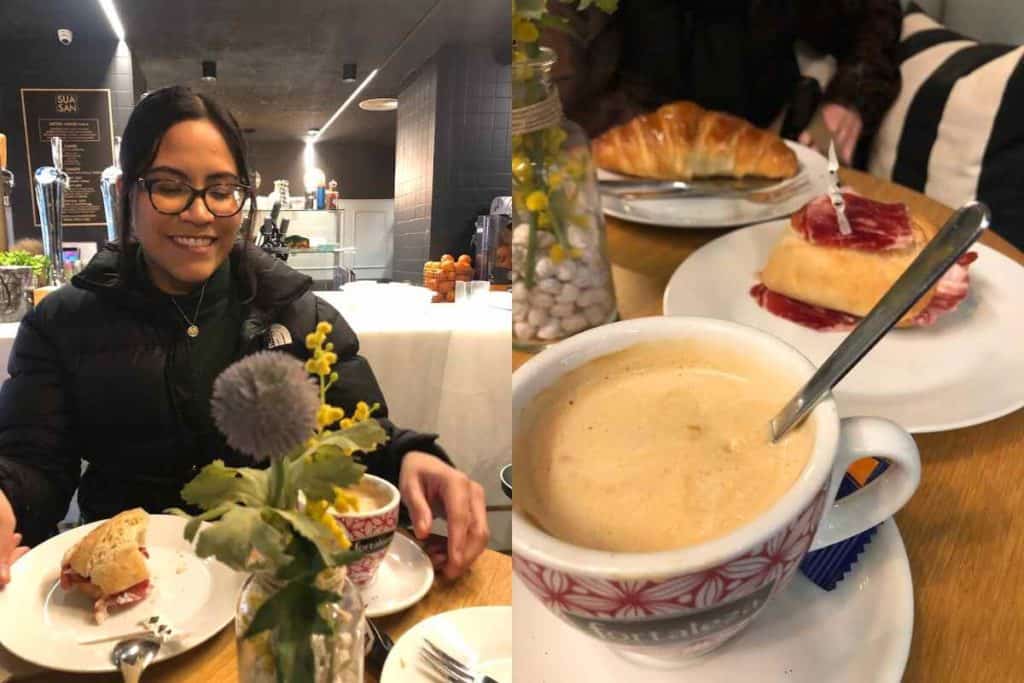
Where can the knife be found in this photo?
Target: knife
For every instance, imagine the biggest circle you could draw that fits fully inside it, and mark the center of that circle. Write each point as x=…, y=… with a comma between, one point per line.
x=716, y=187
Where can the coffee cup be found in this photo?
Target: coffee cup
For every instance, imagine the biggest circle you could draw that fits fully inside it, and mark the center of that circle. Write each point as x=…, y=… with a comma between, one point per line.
x=371, y=528
x=661, y=608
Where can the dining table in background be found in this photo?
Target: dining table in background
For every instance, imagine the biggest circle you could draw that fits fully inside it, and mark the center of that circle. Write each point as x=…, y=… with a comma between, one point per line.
x=960, y=529
x=488, y=582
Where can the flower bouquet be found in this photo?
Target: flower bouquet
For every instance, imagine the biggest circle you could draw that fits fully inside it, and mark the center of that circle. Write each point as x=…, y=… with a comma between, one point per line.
x=299, y=619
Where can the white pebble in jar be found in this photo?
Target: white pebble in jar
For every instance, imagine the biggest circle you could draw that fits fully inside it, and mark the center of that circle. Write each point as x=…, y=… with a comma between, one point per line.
x=537, y=317
x=562, y=310
x=524, y=330
x=550, y=285
x=550, y=331
x=568, y=293
x=566, y=271
x=544, y=268
x=574, y=323
x=541, y=299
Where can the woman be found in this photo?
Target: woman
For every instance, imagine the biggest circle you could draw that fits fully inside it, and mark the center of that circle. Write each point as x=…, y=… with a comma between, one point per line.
x=117, y=368
x=735, y=56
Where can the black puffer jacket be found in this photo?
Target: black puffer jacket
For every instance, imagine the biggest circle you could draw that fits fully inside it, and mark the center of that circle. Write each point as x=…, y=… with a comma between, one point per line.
x=93, y=377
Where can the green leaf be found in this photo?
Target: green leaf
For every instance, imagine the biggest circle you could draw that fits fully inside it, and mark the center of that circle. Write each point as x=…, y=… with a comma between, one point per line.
x=366, y=436
x=293, y=615
x=216, y=484
x=271, y=543
x=307, y=562
x=195, y=522
x=313, y=531
x=318, y=474
x=229, y=538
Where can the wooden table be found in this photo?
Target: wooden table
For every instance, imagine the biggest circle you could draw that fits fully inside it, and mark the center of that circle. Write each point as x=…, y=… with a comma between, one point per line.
x=966, y=551
x=488, y=582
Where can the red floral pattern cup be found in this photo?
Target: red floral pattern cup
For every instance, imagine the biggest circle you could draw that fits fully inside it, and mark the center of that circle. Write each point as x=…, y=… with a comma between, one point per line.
x=661, y=608
x=371, y=532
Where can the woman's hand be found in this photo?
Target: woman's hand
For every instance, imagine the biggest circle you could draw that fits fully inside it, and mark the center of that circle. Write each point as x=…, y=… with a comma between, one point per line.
x=10, y=542
x=841, y=124
x=430, y=487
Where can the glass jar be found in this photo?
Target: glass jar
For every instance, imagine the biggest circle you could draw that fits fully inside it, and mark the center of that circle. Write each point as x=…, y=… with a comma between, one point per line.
x=338, y=656
x=560, y=270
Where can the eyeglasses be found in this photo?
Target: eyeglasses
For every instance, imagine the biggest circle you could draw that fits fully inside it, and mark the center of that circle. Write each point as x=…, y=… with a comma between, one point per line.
x=172, y=197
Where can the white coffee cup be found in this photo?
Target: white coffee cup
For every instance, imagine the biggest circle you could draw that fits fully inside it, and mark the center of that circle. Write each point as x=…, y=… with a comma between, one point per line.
x=660, y=608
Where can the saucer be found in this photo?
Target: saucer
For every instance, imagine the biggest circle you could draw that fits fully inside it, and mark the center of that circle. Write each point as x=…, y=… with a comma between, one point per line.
x=404, y=577
x=478, y=636
x=858, y=632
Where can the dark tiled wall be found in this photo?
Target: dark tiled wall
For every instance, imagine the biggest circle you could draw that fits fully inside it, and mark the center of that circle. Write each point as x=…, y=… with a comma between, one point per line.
x=472, y=157
x=453, y=154
x=414, y=173
x=89, y=62
x=363, y=171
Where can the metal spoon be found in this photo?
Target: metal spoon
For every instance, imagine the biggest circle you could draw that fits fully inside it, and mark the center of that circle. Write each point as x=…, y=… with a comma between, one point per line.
x=956, y=236
x=133, y=656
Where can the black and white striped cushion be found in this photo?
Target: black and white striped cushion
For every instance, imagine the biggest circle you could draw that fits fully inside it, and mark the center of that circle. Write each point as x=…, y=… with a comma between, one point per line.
x=956, y=131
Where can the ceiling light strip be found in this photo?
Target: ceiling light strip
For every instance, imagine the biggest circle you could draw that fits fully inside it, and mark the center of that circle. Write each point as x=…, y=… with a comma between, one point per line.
x=373, y=73
x=344, y=105
x=115, y=21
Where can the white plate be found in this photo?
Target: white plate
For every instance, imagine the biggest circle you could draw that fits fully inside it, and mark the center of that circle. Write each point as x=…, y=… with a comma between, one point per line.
x=43, y=624
x=404, y=577
x=710, y=212
x=479, y=636
x=952, y=374
x=859, y=632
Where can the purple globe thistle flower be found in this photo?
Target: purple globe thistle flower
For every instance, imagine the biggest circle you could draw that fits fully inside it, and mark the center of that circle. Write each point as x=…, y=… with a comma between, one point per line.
x=265, y=404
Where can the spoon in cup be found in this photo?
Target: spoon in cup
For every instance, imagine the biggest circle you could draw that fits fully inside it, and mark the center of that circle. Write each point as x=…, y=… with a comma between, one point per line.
x=962, y=229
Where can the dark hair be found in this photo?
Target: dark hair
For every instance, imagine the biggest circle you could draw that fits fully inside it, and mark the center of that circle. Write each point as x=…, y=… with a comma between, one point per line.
x=152, y=117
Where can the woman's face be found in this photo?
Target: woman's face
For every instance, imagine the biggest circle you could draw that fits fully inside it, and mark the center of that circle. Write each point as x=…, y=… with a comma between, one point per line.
x=183, y=251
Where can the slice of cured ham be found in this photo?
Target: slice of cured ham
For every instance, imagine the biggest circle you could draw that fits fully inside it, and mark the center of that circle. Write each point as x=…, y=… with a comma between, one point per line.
x=875, y=226
x=814, y=317
x=130, y=596
x=949, y=292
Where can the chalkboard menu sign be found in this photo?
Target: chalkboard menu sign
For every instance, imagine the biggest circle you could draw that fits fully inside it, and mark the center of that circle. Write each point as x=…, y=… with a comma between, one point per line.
x=84, y=121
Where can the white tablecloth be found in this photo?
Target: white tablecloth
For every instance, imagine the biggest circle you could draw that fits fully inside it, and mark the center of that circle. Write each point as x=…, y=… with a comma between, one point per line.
x=444, y=368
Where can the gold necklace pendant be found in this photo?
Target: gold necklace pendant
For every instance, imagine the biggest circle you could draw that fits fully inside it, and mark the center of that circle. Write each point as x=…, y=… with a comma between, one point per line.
x=193, y=331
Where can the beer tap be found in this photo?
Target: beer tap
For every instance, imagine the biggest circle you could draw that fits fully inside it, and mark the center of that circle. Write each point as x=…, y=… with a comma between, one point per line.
x=51, y=183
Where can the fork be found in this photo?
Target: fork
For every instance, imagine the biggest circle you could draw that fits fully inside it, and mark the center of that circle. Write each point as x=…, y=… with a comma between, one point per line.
x=450, y=669
x=682, y=190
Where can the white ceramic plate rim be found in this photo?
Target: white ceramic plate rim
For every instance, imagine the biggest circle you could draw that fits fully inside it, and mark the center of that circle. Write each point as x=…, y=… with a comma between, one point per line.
x=882, y=573
x=393, y=606
x=716, y=267
x=489, y=623
x=164, y=531
x=812, y=165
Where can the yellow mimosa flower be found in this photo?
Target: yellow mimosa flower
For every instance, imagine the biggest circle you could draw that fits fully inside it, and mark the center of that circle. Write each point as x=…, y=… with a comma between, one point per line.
x=537, y=201
x=324, y=328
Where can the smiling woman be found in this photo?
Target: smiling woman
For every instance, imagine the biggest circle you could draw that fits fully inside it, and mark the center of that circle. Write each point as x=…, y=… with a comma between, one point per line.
x=117, y=368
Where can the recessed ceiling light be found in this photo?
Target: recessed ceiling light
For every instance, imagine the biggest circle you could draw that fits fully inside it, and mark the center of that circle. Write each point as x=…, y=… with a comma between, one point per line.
x=312, y=132
x=348, y=73
x=379, y=104
x=209, y=71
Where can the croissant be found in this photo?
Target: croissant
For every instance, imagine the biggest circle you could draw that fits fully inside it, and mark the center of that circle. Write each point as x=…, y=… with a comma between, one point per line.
x=682, y=140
